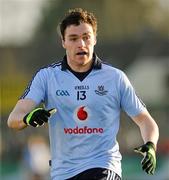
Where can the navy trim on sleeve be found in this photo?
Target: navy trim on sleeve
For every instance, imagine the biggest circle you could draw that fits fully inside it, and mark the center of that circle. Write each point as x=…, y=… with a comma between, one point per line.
x=26, y=91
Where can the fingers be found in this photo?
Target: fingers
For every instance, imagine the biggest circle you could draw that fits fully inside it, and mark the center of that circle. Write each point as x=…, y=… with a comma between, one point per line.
x=39, y=120
x=34, y=124
x=44, y=115
x=149, y=160
x=139, y=150
x=52, y=111
x=149, y=169
x=146, y=159
x=148, y=164
x=38, y=116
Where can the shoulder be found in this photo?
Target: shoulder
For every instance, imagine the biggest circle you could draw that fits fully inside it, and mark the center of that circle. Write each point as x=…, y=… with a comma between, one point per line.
x=52, y=67
x=45, y=70
x=107, y=67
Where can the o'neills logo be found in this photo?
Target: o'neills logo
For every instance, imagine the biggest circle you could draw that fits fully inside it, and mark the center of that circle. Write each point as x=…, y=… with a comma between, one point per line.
x=83, y=130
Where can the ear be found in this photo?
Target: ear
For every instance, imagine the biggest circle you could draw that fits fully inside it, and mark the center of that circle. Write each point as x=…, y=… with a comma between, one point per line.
x=95, y=40
x=63, y=43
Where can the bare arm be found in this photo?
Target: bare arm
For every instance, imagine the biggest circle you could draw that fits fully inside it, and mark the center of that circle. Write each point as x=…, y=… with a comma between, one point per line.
x=148, y=127
x=23, y=106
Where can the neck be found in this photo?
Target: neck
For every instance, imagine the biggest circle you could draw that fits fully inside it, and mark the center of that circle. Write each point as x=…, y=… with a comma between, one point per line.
x=80, y=67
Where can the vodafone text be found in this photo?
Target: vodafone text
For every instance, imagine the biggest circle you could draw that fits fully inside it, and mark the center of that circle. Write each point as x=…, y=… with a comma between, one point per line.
x=83, y=130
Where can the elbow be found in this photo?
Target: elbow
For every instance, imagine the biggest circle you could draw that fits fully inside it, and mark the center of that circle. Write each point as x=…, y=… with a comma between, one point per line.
x=9, y=123
x=13, y=124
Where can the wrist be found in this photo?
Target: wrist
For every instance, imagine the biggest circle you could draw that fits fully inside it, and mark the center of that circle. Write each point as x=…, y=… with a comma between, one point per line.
x=25, y=119
x=151, y=144
x=22, y=125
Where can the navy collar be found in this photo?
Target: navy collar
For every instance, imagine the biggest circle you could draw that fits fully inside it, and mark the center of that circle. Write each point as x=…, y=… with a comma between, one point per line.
x=97, y=63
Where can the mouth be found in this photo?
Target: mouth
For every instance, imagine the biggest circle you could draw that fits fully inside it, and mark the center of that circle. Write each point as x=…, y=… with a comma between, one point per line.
x=81, y=53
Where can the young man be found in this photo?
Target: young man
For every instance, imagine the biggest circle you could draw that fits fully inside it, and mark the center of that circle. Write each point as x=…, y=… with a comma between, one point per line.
x=88, y=96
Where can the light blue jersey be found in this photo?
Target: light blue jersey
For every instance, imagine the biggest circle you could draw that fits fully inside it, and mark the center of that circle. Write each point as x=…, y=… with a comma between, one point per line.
x=83, y=131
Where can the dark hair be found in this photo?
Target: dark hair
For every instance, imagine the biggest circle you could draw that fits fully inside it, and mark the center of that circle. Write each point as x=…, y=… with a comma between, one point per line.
x=75, y=17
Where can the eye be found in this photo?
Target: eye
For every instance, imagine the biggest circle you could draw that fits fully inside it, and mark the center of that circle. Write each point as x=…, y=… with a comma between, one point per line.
x=87, y=37
x=73, y=39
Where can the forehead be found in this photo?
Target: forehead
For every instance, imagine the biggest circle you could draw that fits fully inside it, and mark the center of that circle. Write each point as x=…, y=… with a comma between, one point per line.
x=78, y=30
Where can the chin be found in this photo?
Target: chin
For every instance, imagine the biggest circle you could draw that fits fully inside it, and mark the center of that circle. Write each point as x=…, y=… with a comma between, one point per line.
x=84, y=62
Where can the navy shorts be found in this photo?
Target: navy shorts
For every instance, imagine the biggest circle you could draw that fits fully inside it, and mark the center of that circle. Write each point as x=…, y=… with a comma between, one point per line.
x=96, y=174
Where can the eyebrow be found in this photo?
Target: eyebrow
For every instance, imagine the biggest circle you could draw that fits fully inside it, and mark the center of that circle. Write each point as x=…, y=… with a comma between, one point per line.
x=75, y=35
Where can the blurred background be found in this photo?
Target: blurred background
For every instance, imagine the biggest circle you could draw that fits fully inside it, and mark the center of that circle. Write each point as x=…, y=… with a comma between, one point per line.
x=132, y=36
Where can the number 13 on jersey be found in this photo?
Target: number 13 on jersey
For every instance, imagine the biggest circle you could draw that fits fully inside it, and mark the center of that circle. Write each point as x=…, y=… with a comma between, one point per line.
x=81, y=95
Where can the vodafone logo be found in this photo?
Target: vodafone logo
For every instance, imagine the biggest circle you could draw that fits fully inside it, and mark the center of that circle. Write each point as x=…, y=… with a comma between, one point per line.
x=82, y=114
x=83, y=130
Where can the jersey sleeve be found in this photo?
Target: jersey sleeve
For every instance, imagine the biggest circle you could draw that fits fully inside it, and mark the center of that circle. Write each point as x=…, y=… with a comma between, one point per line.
x=129, y=101
x=36, y=88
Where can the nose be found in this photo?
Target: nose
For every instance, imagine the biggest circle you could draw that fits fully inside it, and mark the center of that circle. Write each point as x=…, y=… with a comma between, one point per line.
x=81, y=43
